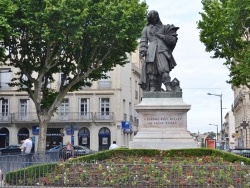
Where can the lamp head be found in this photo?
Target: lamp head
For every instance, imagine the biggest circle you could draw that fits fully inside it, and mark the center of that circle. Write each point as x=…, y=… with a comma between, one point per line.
x=215, y=94
x=213, y=124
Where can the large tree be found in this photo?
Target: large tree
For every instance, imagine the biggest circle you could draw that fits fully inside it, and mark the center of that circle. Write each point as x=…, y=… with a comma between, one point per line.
x=6, y=9
x=82, y=39
x=225, y=31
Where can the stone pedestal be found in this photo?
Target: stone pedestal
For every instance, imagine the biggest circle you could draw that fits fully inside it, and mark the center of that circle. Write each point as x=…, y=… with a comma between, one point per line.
x=162, y=122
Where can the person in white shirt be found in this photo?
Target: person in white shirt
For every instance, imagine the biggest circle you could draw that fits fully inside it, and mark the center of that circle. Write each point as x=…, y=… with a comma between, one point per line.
x=113, y=146
x=22, y=141
x=27, y=146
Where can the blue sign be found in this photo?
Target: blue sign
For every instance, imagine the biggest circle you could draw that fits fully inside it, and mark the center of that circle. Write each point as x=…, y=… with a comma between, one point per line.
x=125, y=125
x=69, y=131
x=35, y=130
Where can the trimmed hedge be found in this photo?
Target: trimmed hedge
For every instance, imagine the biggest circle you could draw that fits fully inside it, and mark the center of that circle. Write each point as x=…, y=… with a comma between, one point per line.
x=196, y=152
x=31, y=171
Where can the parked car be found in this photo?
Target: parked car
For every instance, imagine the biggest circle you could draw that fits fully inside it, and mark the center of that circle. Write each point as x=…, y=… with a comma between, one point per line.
x=11, y=149
x=77, y=151
x=245, y=152
x=56, y=148
x=61, y=152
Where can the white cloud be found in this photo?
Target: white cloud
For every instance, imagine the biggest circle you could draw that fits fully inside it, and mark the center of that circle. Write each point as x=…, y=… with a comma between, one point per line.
x=197, y=72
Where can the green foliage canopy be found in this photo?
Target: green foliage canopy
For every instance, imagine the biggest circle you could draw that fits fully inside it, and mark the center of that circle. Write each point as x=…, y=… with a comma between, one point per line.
x=6, y=10
x=78, y=39
x=225, y=31
x=82, y=39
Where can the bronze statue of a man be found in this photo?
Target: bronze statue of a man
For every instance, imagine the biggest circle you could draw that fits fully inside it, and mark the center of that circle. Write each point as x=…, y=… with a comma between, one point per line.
x=156, y=46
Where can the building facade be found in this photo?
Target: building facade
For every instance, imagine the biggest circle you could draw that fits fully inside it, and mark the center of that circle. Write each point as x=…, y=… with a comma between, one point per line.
x=93, y=116
x=241, y=111
x=229, y=130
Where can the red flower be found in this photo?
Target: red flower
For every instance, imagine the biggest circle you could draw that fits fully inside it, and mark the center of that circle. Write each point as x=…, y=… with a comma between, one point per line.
x=238, y=180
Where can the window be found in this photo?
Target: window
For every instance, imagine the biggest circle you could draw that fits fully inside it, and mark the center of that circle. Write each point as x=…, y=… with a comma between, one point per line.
x=86, y=80
x=125, y=116
x=135, y=116
x=130, y=112
x=4, y=103
x=105, y=83
x=63, y=110
x=105, y=109
x=107, y=74
x=124, y=110
x=63, y=79
x=23, y=109
x=136, y=94
x=46, y=81
x=84, y=108
x=136, y=90
x=24, y=79
x=5, y=78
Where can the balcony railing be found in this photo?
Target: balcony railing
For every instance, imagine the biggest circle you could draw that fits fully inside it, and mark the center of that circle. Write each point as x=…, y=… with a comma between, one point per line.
x=5, y=117
x=237, y=100
x=58, y=117
x=103, y=116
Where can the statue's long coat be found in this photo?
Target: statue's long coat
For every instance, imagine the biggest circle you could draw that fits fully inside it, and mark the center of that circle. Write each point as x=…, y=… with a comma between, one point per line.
x=156, y=48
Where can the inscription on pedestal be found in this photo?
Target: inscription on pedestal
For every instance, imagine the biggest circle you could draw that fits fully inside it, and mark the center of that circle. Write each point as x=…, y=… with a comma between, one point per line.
x=160, y=120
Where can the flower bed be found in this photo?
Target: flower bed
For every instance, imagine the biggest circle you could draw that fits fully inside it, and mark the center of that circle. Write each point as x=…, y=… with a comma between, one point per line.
x=161, y=170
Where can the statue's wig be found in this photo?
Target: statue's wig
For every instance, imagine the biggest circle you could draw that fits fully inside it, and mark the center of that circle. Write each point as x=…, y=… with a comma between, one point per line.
x=153, y=18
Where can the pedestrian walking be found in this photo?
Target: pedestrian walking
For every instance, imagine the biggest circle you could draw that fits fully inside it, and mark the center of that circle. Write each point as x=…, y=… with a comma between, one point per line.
x=27, y=146
x=68, y=151
x=113, y=146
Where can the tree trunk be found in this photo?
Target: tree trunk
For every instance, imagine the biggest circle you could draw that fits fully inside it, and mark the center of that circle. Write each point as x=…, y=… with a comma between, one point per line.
x=43, y=125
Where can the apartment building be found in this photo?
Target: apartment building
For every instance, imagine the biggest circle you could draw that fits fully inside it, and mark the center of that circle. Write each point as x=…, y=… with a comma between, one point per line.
x=229, y=129
x=241, y=112
x=93, y=116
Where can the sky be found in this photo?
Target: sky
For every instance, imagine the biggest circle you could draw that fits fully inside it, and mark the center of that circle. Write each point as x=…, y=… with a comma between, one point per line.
x=197, y=72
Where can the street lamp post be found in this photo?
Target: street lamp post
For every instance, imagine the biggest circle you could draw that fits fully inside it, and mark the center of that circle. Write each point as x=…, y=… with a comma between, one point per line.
x=216, y=132
x=244, y=125
x=221, y=119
